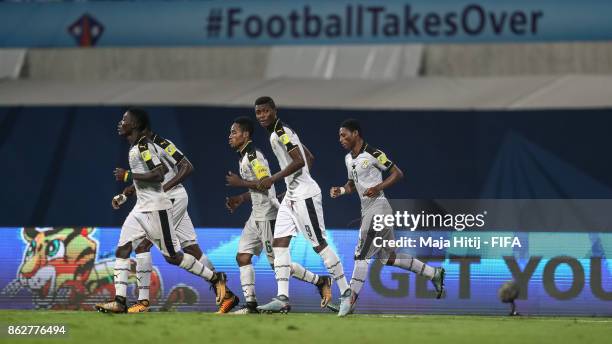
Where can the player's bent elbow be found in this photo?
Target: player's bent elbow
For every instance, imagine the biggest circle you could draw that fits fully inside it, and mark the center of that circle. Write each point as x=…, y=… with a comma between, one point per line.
x=299, y=163
x=400, y=173
x=310, y=159
x=187, y=167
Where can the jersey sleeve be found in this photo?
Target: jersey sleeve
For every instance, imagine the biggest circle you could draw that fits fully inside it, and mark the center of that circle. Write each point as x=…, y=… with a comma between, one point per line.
x=148, y=155
x=258, y=164
x=382, y=162
x=174, y=154
x=283, y=138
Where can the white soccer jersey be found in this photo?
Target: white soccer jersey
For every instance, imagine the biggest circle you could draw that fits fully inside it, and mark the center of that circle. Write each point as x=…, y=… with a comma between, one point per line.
x=150, y=196
x=300, y=184
x=170, y=156
x=365, y=170
x=254, y=166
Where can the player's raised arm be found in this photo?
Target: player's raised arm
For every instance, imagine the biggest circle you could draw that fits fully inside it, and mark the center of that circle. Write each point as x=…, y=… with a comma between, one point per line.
x=297, y=162
x=258, y=167
x=176, y=158
x=395, y=175
x=156, y=175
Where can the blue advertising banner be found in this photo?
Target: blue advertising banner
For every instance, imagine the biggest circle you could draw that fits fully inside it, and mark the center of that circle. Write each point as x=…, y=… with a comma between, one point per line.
x=558, y=273
x=187, y=23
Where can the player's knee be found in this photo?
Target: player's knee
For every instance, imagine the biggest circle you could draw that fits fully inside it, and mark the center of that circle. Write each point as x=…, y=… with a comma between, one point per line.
x=281, y=242
x=174, y=259
x=243, y=259
x=389, y=260
x=169, y=260
x=321, y=247
x=193, y=250
x=144, y=246
x=124, y=251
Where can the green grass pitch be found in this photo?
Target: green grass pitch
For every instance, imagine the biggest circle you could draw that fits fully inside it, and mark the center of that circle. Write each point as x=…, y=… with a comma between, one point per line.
x=294, y=328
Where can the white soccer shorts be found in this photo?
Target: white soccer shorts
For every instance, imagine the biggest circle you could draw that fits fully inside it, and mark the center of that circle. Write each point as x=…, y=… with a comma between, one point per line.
x=155, y=226
x=305, y=216
x=185, y=233
x=257, y=236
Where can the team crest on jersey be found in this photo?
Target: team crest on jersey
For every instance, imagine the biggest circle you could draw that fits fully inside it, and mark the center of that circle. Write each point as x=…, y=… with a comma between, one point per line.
x=365, y=164
x=244, y=171
x=133, y=154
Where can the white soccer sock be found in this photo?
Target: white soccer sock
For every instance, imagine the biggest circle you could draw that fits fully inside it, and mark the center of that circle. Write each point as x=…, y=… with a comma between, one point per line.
x=247, y=279
x=300, y=272
x=122, y=269
x=282, y=269
x=206, y=262
x=194, y=266
x=360, y=271
x=334, y=267
x=144, y=266
x=410, y=263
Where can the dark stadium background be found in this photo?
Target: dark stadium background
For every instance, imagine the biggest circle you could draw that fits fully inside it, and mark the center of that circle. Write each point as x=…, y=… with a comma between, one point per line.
x=58, y=161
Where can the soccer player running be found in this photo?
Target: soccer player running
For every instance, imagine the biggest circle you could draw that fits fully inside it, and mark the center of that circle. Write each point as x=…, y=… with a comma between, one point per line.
x=301, y=208
x=149, y=219
x=258, y=230
x=179, y=168
x=365, y=165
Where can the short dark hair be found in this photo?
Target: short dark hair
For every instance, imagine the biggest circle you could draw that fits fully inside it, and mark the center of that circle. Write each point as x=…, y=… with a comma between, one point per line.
x=265, y=100
x=245, y=124
x=352, y=125
x=141, y=117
